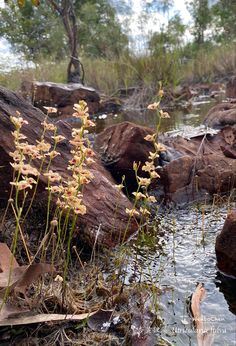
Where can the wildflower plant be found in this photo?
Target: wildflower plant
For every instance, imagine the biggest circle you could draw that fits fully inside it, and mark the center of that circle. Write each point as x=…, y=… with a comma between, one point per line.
x=67, y=191
x=142, y=198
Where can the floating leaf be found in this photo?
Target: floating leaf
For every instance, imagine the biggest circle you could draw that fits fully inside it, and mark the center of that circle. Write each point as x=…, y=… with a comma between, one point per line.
x=204, y=336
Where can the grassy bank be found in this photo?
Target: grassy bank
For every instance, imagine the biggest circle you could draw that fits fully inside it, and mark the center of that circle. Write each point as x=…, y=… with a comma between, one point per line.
x=108, y=76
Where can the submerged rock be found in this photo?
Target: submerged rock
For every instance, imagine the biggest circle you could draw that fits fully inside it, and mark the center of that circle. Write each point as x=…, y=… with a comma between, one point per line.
x=221, y=115
x=225, y=246
x=64, y=96
x=105, y=220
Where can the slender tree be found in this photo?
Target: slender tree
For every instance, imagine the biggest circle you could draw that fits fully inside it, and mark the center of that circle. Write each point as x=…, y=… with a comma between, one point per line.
x=66, y=10
x=201, y=13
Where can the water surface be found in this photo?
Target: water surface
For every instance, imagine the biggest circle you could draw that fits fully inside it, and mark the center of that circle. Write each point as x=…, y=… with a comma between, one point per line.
x=187, y=258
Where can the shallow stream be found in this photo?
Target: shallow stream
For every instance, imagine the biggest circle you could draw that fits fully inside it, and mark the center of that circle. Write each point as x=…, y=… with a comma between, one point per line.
x=187, y=254
x=187, y=257
x=187, y=115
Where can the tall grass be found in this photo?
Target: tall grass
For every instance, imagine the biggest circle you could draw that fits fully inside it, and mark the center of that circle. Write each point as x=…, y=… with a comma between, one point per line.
x=127, y=71
x=211, y=64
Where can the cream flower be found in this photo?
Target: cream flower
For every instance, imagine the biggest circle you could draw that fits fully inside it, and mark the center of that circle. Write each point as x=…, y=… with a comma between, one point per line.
x=17, y=157
x=43, y=146
x=148, y=167
x=150, y=138
x=144, y=211
x=18, y=121
x=22, y=185
x=58, y=138
x=53, y=176
x=138, y=195
x=153, y=155
x=144, y=181
x=164, y=114
x=151, y=199
x=25, y=169
x=52, y=154
x=51, y=109
x=153, y=106
x=48, y=126
x=154, y=175
x=131, y=212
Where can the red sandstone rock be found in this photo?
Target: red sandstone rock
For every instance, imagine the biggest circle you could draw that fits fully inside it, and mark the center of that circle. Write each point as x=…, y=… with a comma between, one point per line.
x=119, y=146
x=105, y=204
x=64, y=96
x=231, y=88
x=225, y=246
x=191, y=168
x=221, y=115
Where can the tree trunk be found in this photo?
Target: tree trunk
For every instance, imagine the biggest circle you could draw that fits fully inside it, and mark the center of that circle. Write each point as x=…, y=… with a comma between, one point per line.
x=67, y=13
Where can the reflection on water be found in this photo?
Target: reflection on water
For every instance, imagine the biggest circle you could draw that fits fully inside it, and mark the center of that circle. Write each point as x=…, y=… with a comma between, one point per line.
x=183, y=262
x=179, y=118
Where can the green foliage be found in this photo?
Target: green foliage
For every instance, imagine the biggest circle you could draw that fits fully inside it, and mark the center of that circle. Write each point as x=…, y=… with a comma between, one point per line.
x=31, y=30
x=38, y=31
x=100, y=32
x=224, y=12
x=168, y=38
x=201, y=15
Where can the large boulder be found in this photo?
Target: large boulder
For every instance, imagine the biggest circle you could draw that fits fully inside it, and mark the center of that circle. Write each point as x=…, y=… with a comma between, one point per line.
x=188, y=168
x=106, y=219
x=221, y=115
x=231, y=88
x=225, y=246
x=119, y=146
x=202, y=168
x=63, y=97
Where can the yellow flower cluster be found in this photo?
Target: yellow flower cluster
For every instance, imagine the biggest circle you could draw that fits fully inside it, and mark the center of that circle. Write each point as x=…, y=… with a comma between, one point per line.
x=149, y=166
x=69, y=192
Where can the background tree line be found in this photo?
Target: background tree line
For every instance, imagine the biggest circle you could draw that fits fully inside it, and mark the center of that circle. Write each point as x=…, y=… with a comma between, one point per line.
x=104, y=39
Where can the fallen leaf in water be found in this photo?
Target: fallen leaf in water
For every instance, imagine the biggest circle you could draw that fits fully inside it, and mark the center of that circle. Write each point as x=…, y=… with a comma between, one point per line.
x=7, y=260
x=100, y=321
x=204, y=335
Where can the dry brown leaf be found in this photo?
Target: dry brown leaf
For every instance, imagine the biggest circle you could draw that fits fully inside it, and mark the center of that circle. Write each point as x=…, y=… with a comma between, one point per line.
x=10, y=277
x=31, y=274
x=204, y=336
x=8, y=310
x=20, y=278
x=40, y=318
x=7, y=259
